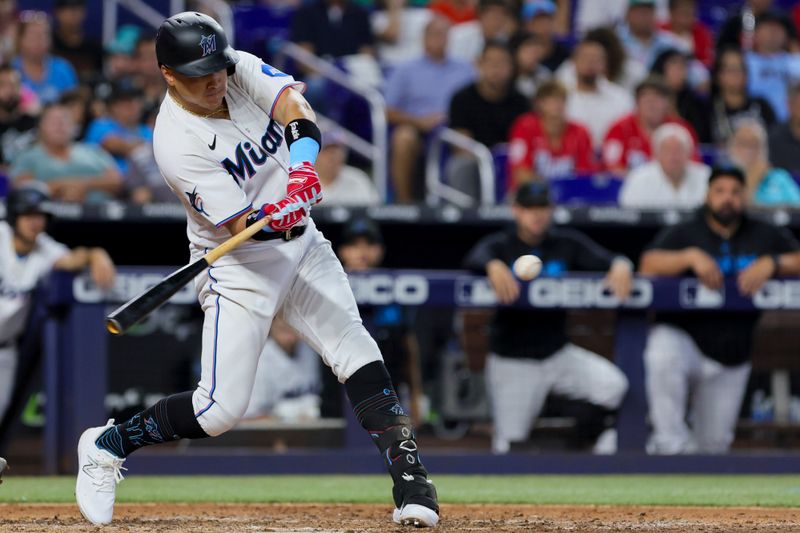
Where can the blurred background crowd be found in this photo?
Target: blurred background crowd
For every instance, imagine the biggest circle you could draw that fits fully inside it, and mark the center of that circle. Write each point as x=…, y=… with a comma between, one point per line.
x=625, y=101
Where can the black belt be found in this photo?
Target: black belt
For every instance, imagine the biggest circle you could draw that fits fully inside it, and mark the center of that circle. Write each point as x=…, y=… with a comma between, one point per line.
x=288, y=235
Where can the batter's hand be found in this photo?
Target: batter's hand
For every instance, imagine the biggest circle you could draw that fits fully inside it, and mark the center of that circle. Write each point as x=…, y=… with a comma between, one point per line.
x=753, y=277
x=304, y=183
x=285, y=213
x=706, y=269
x=505, y=285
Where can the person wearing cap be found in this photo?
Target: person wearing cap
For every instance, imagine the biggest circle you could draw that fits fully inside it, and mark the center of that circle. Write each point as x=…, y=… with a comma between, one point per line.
x=122, y=131
x=73, y=171
x=538, y=18
x=771, y=69
x=530, y=354
x=28, y=255
x=703, y=357
x=627, y=142
x=71, y=42
x=672, y=180
x=343, y=184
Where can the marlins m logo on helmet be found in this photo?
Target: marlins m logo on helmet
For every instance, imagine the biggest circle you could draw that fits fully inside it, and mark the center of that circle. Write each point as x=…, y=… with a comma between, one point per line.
x=208, y=43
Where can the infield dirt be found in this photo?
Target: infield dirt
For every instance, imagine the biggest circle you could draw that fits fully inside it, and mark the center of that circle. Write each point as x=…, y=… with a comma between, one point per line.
x=346, y=518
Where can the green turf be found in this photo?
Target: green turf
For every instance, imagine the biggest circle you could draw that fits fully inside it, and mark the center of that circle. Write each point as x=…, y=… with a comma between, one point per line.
x=615, y=490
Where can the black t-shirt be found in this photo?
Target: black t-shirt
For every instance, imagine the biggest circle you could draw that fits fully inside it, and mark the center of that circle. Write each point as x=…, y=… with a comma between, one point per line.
x=487, y=122
x=16, y=136
x=533, y=333
x=86, y=58
x=724, y=120
x=331, y=32
x=726, y=337
x=558, y=54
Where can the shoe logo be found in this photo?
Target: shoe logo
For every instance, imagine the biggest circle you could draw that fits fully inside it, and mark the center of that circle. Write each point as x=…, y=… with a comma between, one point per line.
x=408, y=477
x=95, y=472
x=213, y=143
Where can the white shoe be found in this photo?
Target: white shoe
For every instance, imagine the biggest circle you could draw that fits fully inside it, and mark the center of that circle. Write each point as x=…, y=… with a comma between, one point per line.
x=98, y=475
x=415, y=515
x=3, y=465
x=606, y=443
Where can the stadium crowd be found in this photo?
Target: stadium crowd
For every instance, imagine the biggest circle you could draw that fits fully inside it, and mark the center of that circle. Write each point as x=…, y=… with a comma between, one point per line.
x=557, y=89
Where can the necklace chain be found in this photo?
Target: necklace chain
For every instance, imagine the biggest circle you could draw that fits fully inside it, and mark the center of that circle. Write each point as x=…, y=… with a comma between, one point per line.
x=176, y=99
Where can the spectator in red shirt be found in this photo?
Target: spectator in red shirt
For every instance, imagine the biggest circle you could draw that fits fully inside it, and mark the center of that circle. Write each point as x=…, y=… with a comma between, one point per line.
x=456, y=11
x=627, y=143
x=544, y=145
x=683, y=23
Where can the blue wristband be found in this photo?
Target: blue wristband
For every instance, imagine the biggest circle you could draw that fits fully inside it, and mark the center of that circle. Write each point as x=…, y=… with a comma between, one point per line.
x=305, y=149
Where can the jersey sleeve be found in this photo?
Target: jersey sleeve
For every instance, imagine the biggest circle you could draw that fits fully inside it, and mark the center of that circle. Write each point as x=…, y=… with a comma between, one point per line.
x=51, y=251
x=488, y=248
x=520, y=147
x=202, y=185
x=264, y=83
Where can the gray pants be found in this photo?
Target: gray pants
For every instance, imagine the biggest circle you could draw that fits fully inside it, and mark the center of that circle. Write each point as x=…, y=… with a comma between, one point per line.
x=676, y=370
x=8, y=370
x=518, y=388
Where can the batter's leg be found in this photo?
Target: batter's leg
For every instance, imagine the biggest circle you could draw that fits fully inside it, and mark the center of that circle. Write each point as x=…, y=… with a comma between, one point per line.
x=239, y=302
x=671, y=359
x=716, y=402
x=517, y=390
x=321, y=307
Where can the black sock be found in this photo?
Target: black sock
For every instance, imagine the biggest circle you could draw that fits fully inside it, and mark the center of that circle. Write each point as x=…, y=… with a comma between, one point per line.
x=171, y=418
x=370, y=389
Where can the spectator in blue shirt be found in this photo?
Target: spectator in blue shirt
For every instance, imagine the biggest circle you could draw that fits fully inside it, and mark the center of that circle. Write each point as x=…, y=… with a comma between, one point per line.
x=47, y=75
x=417, y=97
x=122, y=131
x=74, y=172
x=771, y=69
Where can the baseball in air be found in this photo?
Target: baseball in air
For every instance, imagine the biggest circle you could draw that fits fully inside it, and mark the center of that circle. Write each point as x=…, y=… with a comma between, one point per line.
x=527, y=267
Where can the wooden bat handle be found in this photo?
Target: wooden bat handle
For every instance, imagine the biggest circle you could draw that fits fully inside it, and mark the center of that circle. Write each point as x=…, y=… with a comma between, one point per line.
x=235, y=241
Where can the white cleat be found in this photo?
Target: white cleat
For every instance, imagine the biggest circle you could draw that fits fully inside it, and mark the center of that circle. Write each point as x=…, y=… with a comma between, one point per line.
x=415, y=515
x=3, y=465
x=98, y=475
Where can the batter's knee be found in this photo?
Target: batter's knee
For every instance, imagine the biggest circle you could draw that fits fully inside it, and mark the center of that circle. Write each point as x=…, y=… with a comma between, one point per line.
x=217, y=417
x=355, y=349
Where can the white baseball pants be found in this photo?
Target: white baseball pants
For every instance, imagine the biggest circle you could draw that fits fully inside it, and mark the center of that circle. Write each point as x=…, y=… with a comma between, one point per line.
x=518, y=388
x=677, y=374
x=304, y=281
x=8, y=371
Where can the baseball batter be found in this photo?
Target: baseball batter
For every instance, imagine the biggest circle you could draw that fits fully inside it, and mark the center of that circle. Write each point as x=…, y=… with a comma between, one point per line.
x=236, y=141
x=27, y=255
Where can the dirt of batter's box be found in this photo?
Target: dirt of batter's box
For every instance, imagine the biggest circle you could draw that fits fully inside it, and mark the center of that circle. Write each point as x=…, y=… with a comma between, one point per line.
x=344, y=518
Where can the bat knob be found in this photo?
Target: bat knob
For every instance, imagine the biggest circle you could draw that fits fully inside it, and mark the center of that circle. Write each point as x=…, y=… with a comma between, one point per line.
x=113, y=326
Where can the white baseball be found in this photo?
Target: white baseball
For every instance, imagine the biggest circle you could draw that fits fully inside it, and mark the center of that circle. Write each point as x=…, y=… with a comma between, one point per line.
x=527, y=267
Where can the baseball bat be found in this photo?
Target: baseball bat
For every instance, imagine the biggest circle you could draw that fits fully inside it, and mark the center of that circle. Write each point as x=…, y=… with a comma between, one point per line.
x=139, y=307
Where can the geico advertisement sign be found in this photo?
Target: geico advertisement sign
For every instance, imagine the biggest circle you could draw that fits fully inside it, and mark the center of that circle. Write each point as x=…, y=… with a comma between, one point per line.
x=383, y=289
x=558, y=292
x=126, y=286
x=778, y=294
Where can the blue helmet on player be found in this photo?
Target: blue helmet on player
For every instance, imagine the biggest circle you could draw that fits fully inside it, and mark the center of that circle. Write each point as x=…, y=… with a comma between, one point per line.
x=28, y=198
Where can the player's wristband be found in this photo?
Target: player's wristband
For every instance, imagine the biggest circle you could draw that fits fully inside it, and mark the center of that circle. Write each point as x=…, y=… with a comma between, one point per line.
x=776, y=258
x=303, y=139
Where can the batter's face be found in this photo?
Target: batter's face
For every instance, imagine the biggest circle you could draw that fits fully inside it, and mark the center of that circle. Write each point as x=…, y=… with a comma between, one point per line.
x=29, y=227
x=532, y=222
x=205, y=92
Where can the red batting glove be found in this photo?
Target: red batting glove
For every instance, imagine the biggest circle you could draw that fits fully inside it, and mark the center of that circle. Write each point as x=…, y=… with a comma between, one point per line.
x=304, y=183
x=285, y=213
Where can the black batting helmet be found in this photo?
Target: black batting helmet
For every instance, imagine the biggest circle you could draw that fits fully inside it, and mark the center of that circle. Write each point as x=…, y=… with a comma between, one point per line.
x=32, y=197
x=194, y=45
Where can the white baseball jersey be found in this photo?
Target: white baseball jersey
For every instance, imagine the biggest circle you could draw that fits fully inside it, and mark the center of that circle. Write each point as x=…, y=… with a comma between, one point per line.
x=222, y=168
x=19, y=276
